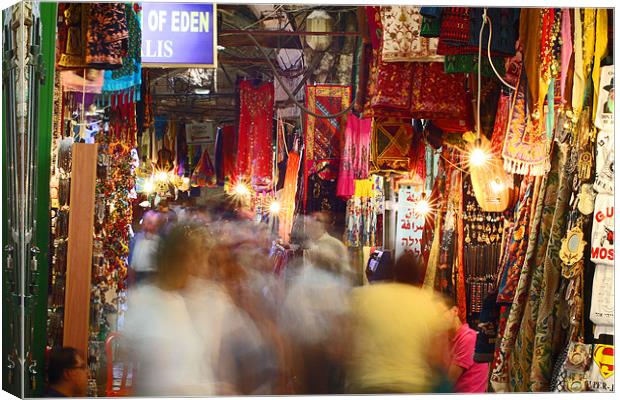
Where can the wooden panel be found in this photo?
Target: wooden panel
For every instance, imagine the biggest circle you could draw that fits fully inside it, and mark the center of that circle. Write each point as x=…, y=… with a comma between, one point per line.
x=80, y=246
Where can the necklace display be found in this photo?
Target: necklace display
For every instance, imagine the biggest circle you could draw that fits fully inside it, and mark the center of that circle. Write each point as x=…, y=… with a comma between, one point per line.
x=483, y=237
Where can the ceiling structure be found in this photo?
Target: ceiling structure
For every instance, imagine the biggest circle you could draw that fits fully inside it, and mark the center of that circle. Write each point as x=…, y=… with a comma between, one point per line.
x=280, y=30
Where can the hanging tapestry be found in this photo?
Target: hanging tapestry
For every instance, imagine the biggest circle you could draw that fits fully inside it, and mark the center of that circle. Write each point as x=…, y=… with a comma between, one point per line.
x=355, y=157
x=401, y=36
x=391, y=141
x=323, y=137
x=254, y=162
x=73, y=19
x=225, y=153
x=501, y=123
x=437, y=95
x=129, y=75
x=287, y=200
x=393, y=86
x=375, y=28
x=525, y=145
x=520, y=327
x=106, y=36
x=363, y=210
x=602, y=245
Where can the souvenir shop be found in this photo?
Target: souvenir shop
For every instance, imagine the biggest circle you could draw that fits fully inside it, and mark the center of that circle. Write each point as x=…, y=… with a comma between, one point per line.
x=480, y=140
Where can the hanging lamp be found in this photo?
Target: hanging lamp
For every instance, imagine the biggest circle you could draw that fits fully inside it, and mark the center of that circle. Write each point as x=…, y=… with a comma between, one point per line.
x=319, y=21
x=489, y=180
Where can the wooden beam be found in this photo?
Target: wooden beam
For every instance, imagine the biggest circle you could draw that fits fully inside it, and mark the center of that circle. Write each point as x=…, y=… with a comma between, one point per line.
x=80, y=246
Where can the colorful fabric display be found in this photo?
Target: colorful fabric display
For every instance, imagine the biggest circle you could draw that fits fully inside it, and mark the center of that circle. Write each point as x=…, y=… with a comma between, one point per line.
x=391, y=141
x=401, y=36
x=355, y=154
x=254, y=161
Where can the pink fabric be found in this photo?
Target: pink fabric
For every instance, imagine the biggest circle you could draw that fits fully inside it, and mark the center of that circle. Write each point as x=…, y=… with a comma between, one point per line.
x=475, y=377
x=355, y=155
x=567, y=49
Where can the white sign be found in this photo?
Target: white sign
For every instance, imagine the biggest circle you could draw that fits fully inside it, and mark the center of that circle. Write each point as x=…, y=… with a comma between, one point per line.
x=409, y=225
x=200, y=132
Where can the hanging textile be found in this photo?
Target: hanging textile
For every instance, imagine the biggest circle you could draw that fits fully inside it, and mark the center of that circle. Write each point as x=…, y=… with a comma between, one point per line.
x=254, y=161
x=323, y=136
x=106, y=35
x=73, y=18
x=437, y=95
x=391, y=140
x=375, y=27
x=600, y=50
x=601, y=376
x=579, y=81
x=520, y=327
x=363, y=209
x=355, y=157
x=501, y=123
x=525, y=146
x=129, y=75
x=287, y=199
x=548, y=277
x=604, y=181
x=204, y=173
x=604, y=117
x=225, y=153
x=90, y=81
x=567, y=50
x=603, y=230
x=401, y=36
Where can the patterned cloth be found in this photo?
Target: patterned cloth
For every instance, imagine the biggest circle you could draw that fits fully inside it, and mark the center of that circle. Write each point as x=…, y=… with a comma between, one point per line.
x=401, y=36
x=375, y=27
x=355, y=154
x=225, y=153
x=287, y=199
x=521, y=325
x=254, y=148
x=391, y=141
x=518, y=243
x=324, y=136
x=525, y=146
x=107, y=35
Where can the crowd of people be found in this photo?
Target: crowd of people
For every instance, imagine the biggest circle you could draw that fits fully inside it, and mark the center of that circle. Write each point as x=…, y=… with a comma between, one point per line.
x=206, y=315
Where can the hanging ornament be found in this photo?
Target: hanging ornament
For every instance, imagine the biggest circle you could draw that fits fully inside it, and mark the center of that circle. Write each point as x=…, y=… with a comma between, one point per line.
x=585, y=199
x=572, y=246
x=319, y=21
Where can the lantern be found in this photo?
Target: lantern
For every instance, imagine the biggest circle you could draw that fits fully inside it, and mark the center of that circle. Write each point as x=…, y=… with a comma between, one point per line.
x=319, y=21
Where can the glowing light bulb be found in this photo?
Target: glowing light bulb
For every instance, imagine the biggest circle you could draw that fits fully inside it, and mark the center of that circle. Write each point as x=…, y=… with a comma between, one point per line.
x=478, y=157
x=161, y=176
x=497, y=186
x=241, y=189
x=274, y=207
x=422, y=207
x=148, y=186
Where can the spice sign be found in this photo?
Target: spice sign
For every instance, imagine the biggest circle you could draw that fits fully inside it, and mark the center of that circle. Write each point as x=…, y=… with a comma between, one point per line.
x=179, y=35
x=409, y=225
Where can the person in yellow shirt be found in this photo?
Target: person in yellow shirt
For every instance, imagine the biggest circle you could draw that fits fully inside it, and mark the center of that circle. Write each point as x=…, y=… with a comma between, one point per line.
x=399, y=340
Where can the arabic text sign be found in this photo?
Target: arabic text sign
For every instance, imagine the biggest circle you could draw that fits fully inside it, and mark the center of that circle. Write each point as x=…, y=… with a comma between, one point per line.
x=409, y=225
x=179, y=34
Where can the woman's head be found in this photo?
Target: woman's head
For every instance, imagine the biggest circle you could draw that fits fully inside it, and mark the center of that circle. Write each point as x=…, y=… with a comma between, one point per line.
x=410, y=269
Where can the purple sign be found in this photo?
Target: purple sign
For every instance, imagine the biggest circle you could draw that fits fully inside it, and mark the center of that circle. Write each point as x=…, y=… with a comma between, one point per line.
x=179, y=34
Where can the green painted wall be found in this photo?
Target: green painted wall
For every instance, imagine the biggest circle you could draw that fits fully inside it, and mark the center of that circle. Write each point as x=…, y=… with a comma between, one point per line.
x=45, y=126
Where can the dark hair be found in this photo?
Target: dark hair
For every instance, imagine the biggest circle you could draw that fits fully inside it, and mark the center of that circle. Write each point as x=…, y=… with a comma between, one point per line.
x=409, y=269
x=60, y=359
x=449, y=300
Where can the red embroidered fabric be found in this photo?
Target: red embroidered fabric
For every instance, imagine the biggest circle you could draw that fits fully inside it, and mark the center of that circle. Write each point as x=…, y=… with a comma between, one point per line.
x=254, y=147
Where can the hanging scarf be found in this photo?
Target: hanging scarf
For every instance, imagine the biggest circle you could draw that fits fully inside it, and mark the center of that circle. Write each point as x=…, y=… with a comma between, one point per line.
x=204, y=173
x=567, y=49
x=354, y=160
x=287, y=199
x=578, y=76
x=536, y=246
x=600, y=51
x=375, y=28
x=401, y=36
x=323, y=136
x=501, y=123
x=546, y=281
x=391, y=140
x=106, y=35
x=525, y=146
x=254, y=150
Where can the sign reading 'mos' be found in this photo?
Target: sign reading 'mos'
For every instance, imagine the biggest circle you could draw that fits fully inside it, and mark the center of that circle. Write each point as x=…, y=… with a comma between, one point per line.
x=179, y=35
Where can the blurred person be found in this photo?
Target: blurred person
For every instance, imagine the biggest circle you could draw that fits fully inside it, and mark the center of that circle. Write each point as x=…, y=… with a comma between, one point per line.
x=252, y=355
x=324, y=250
x=314, y=315
x=467, y=375
x=410, y=269
x=159, y=330
x=67, y=374
x=399, y=340
x=143, y=247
